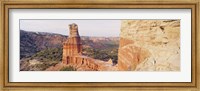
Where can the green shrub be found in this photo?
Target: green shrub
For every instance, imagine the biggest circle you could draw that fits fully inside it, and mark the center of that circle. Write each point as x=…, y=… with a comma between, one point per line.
x=51, y=54
x=102, y=54
x=68, y=68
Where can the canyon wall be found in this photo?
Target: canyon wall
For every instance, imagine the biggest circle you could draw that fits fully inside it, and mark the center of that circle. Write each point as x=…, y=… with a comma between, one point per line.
x=149, y=45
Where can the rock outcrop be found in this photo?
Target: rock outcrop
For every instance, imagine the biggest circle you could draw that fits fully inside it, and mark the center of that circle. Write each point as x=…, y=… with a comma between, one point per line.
x=149, y=45
x=72, y=46
x=72, y=55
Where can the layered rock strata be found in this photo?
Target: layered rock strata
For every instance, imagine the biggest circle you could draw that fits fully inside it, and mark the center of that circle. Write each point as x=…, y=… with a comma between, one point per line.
x=72, y=55
x=149, y=45
x=72, y=47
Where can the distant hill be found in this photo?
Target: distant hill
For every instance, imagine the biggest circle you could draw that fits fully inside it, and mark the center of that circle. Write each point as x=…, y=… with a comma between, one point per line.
x=33, y=42
x=100, y=42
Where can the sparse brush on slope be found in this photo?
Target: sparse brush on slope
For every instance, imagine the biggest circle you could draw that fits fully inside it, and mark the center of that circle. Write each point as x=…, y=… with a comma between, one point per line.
x=68, y=68
x=50, y=54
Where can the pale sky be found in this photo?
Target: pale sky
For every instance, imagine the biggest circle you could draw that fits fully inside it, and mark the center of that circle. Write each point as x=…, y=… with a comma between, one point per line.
x=100, y=28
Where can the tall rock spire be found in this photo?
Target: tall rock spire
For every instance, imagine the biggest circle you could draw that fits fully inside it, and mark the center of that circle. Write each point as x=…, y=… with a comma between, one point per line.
x=73, y=46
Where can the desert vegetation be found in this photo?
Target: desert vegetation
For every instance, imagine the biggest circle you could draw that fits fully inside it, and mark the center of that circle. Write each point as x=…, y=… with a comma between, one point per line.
x=102, y=54
x=68, y=68
x=41, y=60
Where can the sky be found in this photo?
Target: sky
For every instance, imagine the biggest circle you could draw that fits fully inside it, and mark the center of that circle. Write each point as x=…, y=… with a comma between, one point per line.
x=100, y=28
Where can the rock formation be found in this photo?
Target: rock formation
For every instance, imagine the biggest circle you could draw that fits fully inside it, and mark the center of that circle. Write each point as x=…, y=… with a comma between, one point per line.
x=149, y=45
x=72, y=55
x=73, y=46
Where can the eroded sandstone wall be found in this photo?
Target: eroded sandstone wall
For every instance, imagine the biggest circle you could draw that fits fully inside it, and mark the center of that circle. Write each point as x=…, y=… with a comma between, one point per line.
x=84, y=63
x=149, y=45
